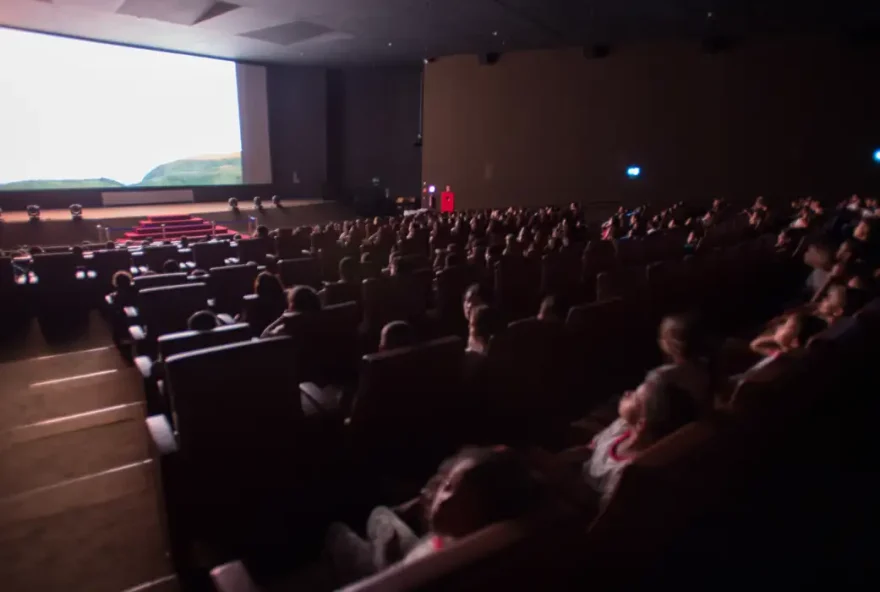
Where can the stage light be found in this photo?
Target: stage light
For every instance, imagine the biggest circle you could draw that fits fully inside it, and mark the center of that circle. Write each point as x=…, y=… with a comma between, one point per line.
x=877, y=155
x=633, y=172
x=233, y=204
x=432, y=189
x=33, y=213
x=258, y=202
x=276, y=201
x=76, y=212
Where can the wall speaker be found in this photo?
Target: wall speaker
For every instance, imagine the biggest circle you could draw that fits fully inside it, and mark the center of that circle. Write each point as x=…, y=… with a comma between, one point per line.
x=488, y=59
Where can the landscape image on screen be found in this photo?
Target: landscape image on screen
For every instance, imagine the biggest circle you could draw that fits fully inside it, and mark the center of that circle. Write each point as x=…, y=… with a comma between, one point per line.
x=80, y=114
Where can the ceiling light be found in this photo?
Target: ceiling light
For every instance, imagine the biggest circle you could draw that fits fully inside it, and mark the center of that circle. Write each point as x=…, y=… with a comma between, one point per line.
x=494, y=33
x=389, y=44
x=710, y=14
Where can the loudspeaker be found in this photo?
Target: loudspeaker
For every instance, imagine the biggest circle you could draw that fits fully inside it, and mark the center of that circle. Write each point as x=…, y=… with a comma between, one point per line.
x=598, y=51
x=488, y=59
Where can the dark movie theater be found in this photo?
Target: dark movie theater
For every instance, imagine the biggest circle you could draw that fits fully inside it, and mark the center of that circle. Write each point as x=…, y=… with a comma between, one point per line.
x=438, y=295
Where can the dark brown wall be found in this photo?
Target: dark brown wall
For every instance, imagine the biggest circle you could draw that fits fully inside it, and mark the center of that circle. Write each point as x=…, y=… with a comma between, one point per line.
x=779, y=118
x=374, y=121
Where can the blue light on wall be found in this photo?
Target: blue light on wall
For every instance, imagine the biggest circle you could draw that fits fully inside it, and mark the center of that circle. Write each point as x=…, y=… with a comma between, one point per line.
x=633, y=172
x=877, y=155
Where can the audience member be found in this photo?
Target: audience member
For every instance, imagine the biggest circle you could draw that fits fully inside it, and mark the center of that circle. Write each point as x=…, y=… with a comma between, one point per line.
x=395, y=335
x=685, y=342
x=203, y=320
x=269, y=305
x=171, y=266
x=794, y=333
x=475, y=489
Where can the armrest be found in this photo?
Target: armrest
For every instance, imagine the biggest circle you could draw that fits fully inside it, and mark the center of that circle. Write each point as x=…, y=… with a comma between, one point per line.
x=131, y=312
x=233, y=577
x=144, y=365
x=225, y=318
x=161, y=435
x=326, y=399
x=108, y=298
x=137, y=333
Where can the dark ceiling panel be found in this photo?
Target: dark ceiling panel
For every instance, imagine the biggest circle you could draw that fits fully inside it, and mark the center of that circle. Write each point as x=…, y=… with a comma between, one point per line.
x=289, y=33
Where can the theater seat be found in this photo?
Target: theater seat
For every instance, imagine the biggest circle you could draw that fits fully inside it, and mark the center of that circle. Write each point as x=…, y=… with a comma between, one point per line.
x=412, y=395
x=164, y=310
x=255, y=250
x=158, y=280
x=211, y=254
x=304, y=271
x=227, y=284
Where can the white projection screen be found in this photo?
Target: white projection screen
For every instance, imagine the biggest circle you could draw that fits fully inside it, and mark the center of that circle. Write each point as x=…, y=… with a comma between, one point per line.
x=83, y=114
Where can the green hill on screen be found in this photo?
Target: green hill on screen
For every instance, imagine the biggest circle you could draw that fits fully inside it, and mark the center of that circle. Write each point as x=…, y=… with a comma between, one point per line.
x=209, y=169
x=36, y=184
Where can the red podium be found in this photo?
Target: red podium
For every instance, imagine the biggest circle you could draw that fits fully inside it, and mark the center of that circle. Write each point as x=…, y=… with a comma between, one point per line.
x=447, y=201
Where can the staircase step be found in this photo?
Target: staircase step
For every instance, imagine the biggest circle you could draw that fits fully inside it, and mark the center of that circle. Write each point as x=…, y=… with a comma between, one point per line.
x=146, y=230
x=22, y=372
x=169, y=217
x=101, y=534
x=49, y=452
x=176, y=233
x=69, y=395
x=146, y=224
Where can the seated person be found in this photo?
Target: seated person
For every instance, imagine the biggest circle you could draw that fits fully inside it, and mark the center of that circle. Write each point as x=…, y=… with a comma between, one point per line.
x=395, y=335
x=820, y=257
x=473, y=490
x=269, y=305
x=840, y=301
x=369, y=268
x=171, y=266
x=348, y=288
x=300, y=300
x=203, y=320
x=685, y=342
x=484, y=322
x=473, y=296
x=553, y=308
x=648, y=414
x=794, y=333
x=125, y=294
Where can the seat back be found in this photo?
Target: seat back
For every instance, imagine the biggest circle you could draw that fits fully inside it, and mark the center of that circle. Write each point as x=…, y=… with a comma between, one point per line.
x=166, y=309
x=451, y=286
x=336, y=293
x=236, y=407
x=411, y=395
x=155, y=257
x=397, y=298
x=305, y=271
x=107, y=262
x=158, y=280
x=517, y=287
x=255, y=250
x=184, y=341
x=229, y=283
x=291, y=246
x=55, y=270
x=211, y=254
x=326, y=343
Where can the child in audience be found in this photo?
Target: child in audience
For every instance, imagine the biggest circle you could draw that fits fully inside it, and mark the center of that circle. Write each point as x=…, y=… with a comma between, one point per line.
x=301, y=300
x=473, y=296
x=270, y=303
x=794, y=333
x=648, y=414
x=473, y=490
x=687, y=345
x=125, y=294
x=395, y=335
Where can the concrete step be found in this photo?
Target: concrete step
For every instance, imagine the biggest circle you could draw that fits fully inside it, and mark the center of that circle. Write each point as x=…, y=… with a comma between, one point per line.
x=57, y=450
x=99, y=534
x=49, y=398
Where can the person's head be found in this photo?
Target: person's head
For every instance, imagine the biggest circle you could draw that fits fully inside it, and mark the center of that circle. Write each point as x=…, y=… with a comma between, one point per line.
x=452, y=260
x=348, y=270
x=864, y=230
x=656, y=408
x=236, y=237
x=122, y=280
x=272, y=265
x=110, y=245
x=797, y=330
x=473, y=296
x=553, y=308
x=303, y=299
x=184, y=242
x=268, y=287
x=784, y=238
x=395, y=335
x=834, y=304
x=77, y=251
x=483, y=323
x=204, y=320
x=846, y=250
x=683, y=337
x=170, y=266
x=482, y=486
x=820, y=255
x=262, y=231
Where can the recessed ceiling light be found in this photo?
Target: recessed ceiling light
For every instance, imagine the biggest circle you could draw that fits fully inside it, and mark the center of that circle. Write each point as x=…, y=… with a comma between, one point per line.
x=494, y=33
x=710, y=14
x=389, y=44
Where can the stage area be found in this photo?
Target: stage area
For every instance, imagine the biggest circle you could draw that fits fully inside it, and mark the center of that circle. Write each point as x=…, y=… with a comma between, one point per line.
x=56, y=227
